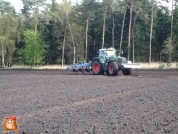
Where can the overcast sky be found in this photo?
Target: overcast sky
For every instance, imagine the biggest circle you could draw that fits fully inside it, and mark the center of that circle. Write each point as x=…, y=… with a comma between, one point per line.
x=18, y=3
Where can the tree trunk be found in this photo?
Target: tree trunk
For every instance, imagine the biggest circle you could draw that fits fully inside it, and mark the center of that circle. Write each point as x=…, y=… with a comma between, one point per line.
x=151, y=32
x=63, y=46
x=3, y=64
x=36, y=25
x=123, y=23
x=86, y=35
x=104, y=21
x=133, y=37
x=130, y=25
x=133, y=41
x=170, y=50
x=113, y=27
x=2, y=47
x=71, y=36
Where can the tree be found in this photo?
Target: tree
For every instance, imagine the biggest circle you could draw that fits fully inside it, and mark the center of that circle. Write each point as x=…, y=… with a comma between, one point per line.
x=172, y=18
x=122, y=30
x=6, y=7
x=130, y=25
x=66, y=10
x=54, y=33
x=33, y=6
x=162, y=32
x=34, y=49
x=32, y=14
x=133, y=35
x=7, y=32
x=171, y=34
x=106, y=6
x=174, y=43
x=7, y=38
x=136, y=9
x=151, y=30
x=87, y=13
x=104, y=25
x=113, y=8
x=63, y=47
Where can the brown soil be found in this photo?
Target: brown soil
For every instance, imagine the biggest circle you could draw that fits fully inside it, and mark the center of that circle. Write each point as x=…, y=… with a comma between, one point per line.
x=57, y=102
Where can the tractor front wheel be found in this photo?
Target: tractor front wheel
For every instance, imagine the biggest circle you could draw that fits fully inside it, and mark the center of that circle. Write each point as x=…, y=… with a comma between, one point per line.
x=112, y=69
x=127, y=71
x=97, y=67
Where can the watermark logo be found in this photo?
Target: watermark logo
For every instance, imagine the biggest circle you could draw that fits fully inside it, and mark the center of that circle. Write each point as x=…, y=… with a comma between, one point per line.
x=10, y=124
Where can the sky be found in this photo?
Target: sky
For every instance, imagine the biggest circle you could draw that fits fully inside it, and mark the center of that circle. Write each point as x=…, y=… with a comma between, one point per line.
x=18, y=3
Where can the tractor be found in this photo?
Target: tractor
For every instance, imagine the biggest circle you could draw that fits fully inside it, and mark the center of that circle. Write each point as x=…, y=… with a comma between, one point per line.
x=108, y=62
x=111, y=64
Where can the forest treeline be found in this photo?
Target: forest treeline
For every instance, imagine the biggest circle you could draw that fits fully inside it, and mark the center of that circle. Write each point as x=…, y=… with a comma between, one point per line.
x=44, y=33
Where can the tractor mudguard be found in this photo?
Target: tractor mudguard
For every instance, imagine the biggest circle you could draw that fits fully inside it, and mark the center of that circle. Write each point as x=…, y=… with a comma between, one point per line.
x=98, y=58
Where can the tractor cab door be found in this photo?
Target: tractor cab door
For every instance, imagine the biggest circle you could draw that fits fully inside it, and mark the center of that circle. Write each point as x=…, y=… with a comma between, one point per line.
x=102, y=55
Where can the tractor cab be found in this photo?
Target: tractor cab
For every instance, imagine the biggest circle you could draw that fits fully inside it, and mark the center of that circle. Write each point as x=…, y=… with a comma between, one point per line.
x=107, y=52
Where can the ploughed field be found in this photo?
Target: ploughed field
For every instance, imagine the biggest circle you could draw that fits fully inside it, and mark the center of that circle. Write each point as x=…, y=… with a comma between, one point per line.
x=57, y=102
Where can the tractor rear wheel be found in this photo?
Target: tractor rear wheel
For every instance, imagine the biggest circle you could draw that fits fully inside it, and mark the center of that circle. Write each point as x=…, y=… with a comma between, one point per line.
x=97, y=67
x=112, y=69
x=127, y=71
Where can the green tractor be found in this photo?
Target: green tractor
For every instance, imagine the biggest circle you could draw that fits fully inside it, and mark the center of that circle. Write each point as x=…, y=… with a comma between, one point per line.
x=111, y=64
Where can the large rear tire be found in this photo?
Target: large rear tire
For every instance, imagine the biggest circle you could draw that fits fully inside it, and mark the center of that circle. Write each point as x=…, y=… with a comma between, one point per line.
x=97, y=67
x=112, y=69
x=127, y=71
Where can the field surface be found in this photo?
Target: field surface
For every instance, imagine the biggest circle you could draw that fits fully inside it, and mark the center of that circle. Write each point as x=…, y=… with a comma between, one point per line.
x=57, y=102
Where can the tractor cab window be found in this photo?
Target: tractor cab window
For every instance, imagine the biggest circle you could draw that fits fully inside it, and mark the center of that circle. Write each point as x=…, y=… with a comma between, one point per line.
x=110, y=53
x=102, y=53
x=107, y=52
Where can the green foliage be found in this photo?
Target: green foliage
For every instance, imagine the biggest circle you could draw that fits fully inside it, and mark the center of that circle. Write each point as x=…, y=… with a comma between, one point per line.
x=8, y=27
x=6, y=7
x=34, y=48
x=50, y=21
x=167, y=49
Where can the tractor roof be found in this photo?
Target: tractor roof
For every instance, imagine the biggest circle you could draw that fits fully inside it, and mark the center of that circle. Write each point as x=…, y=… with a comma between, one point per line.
x=109, y=49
